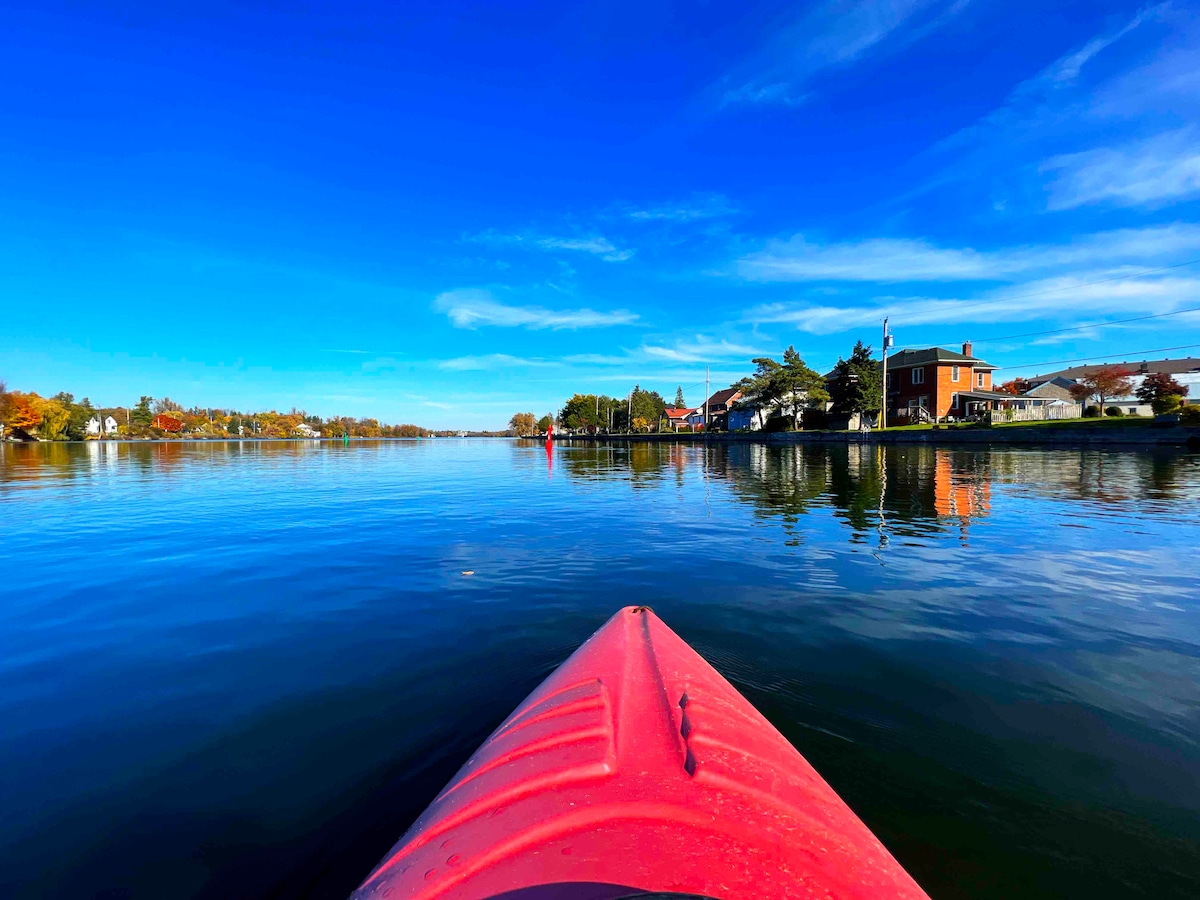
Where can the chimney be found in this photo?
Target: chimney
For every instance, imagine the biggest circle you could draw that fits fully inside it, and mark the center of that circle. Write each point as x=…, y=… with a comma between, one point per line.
x=966, y=348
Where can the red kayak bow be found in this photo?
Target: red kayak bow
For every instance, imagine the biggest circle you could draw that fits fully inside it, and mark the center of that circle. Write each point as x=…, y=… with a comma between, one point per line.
x=637, y=769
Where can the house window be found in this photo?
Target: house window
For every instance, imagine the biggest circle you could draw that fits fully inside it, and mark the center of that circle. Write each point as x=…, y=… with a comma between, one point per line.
x=954, y=373
x=979, y=379
x=954, y=396
x=891, y=376
x=918, y=376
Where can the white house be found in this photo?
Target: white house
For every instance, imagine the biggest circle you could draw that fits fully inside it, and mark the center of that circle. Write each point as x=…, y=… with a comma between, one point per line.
x=94, y=425
x=307, y=431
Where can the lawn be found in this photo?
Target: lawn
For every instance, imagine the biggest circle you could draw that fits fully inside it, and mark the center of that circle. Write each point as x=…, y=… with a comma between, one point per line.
x=1106, y=422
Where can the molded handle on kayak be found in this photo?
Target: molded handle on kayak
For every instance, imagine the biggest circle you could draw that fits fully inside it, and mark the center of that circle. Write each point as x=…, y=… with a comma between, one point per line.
x=636, y=767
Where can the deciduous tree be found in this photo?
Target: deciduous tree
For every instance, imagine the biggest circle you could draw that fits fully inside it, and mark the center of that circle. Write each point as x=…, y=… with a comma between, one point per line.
x=21, y=412
x=1103, y=384
x=581, y=411
x=522, y=424
x=647, y=405
x=54, y=417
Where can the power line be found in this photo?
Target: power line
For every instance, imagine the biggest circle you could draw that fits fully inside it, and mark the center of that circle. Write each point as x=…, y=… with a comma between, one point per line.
x=1009, y=337
x=1059, y=362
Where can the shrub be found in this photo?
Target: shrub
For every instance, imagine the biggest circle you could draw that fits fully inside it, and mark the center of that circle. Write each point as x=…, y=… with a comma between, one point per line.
x=1164, y=406
x=1092, y=412
x=776, y=424
x=1114, y=411
x=1189, y=415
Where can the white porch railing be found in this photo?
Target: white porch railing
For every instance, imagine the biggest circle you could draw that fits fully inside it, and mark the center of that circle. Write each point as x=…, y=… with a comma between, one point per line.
x=1037, y=413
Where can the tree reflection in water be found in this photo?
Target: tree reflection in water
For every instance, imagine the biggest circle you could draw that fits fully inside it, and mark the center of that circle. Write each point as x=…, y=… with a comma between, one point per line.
x=896, y=491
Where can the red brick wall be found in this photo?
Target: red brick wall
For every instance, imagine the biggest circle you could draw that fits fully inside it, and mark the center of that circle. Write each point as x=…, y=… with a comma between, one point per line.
x=938, y=387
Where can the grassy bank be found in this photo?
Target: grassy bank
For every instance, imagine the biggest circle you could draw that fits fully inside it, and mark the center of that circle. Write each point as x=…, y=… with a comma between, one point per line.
x=1106, y=422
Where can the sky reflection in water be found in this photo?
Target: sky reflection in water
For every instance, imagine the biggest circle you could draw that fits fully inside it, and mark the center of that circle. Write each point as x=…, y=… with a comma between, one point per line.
x=239, y=669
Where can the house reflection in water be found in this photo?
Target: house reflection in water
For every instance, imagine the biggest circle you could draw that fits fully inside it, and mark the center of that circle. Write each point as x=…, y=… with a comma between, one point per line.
x=958, y=492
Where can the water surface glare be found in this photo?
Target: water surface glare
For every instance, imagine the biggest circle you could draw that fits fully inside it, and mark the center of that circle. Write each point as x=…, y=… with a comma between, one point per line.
x=242, y=669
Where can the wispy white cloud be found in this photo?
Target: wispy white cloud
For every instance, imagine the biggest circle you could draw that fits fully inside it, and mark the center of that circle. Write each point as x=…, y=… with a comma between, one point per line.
x=475, y=307
x=597, y=359
x=492, y=361
x=697, y=349
x=1043, y=102
x=694, y=209
x=382, y=364
x=1069, y=106
x=1067, y=68
x=779, y=93
x=874, y=259
x=832, y=35
x=1151, y=172
x=646, y=359
x=1043, y=299
x=595, y=245
x=898, y=260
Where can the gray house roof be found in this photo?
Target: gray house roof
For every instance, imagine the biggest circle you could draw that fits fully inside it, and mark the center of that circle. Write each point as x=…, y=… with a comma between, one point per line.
x=1145, y=367
x=905, y=359
x=985, y=395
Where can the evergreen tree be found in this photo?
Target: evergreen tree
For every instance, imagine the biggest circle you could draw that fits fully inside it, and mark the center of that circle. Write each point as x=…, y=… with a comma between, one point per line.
x=858, y=383
x=142, y=414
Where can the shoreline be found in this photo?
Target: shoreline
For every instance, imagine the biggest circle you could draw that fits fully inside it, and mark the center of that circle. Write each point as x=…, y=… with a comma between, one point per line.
x=246, y=440
x=1074, y=436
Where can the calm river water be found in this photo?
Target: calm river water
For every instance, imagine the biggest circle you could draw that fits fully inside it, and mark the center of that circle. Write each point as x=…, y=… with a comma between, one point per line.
x=241, y=670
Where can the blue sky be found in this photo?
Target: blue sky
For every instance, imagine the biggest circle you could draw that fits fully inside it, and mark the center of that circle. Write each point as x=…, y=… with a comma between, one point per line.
x=446, y=212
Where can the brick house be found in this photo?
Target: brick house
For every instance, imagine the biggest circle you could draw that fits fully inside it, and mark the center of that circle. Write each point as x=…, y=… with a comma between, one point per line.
x=941, y=383
x=718, y=406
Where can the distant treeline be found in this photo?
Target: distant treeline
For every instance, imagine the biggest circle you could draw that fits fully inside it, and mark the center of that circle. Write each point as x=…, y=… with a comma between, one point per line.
x=639, y=411
x=63, y=418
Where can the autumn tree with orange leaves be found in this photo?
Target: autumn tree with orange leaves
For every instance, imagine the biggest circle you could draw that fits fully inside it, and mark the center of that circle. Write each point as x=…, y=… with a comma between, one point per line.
x=21, y=411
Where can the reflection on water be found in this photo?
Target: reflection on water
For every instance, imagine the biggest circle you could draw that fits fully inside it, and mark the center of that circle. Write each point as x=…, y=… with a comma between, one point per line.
x=899, y=489
x=241, y=669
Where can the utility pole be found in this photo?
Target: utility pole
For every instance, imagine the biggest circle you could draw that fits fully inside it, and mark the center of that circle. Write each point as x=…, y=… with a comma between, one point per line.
x=886, y=343
x=706, y=399
x=629, y=415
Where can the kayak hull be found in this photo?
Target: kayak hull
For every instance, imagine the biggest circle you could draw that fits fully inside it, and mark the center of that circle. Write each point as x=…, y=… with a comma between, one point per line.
x=636, y=767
